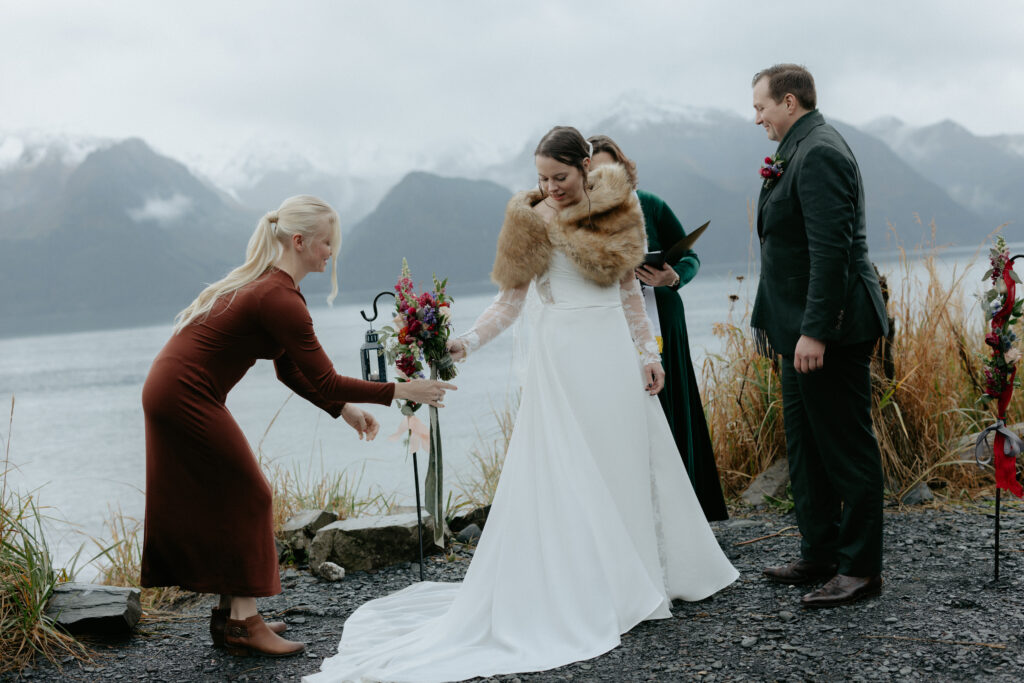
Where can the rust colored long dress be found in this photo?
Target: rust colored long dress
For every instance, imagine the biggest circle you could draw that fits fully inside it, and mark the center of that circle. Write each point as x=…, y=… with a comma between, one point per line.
x=209, y=516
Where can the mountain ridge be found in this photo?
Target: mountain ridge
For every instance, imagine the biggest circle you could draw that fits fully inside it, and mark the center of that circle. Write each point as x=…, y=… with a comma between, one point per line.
x=107, y=232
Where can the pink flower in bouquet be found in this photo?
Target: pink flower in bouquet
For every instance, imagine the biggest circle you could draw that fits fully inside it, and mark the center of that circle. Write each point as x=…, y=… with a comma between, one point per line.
x=1012, y=356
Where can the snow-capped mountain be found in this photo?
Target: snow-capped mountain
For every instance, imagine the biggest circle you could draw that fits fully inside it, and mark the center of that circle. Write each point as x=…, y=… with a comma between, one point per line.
x=983, y=174
x=261, y=175
x=95, y=232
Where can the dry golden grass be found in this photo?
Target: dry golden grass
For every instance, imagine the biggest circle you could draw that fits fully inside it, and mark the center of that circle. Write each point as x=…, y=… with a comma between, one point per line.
x=921, y=412
x=487, y=457
x=122, y=550
x=27, y=580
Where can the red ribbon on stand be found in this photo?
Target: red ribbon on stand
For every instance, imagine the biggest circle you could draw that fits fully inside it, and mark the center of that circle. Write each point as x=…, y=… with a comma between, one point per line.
x=1005, y=465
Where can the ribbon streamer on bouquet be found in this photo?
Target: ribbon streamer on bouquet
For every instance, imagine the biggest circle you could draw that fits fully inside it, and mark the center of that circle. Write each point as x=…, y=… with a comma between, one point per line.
x=419, y=434
x=1012, y=444
x=433, y=484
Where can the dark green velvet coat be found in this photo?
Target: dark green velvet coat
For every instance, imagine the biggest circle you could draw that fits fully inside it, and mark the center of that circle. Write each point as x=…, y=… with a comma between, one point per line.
x=816, y=278
x=681, y=397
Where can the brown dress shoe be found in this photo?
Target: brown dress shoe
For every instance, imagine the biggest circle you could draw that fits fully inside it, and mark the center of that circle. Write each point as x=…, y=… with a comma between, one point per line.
x=219, y=623
x=800, y=571
x=842, y=590
x=249, y=637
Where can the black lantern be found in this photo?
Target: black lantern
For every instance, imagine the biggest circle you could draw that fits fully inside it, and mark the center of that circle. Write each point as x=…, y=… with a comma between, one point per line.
x=371, y=353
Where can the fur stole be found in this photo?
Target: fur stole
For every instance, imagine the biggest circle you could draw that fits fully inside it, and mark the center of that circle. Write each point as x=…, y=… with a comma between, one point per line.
x=605, y=238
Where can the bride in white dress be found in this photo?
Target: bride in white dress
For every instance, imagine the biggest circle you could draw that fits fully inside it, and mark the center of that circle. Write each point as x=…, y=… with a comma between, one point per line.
x=591, y=454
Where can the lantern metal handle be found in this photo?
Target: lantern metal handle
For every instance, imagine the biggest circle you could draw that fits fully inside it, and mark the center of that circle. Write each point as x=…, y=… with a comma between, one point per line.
x=369, y=319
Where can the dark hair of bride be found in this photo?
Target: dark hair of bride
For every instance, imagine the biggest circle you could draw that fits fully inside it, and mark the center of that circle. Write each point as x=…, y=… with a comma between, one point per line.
x=566, y=145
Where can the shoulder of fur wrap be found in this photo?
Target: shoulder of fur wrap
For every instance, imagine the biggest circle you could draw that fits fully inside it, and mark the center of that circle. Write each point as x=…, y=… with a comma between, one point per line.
x=610, y=240
x=604, y=236
x=523, y=244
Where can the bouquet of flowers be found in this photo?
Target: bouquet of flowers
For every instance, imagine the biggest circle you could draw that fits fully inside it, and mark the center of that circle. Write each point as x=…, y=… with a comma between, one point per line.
x=1003, y=310
x=419, y=335
x=420, y=332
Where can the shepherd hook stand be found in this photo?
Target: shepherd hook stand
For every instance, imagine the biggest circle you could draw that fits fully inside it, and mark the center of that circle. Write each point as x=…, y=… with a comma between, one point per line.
x=415, y=466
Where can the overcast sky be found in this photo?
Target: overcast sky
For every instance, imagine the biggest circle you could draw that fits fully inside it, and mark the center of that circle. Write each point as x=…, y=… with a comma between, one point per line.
x=365, y=84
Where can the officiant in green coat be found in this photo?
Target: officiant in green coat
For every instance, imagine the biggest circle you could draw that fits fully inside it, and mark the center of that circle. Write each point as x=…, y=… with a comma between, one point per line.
x=680, y=398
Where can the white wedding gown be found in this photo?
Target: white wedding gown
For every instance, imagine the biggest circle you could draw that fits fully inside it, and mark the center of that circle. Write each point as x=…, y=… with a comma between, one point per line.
x=594, y=526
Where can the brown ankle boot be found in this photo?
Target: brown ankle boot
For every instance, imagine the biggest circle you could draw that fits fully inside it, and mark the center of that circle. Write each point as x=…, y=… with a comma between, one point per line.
x=248, y=637
x=219, y=622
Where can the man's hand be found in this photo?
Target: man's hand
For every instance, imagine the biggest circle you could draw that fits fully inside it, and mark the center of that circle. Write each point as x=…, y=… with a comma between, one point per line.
x=361, y=421
x=809, y=355
x=657, y=277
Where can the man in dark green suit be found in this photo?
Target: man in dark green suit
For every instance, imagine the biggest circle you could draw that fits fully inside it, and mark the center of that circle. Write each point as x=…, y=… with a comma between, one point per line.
x=820, y=306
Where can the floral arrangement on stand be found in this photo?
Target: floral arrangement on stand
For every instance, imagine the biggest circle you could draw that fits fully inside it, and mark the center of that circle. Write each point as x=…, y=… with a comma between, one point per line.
x=418, y=336
x=1002, y=311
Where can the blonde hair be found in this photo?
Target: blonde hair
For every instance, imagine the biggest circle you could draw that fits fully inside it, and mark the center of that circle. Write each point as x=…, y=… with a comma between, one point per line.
x=299, y=215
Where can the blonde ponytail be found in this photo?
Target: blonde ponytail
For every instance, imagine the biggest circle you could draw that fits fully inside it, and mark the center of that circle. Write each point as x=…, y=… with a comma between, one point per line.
x=299, y=215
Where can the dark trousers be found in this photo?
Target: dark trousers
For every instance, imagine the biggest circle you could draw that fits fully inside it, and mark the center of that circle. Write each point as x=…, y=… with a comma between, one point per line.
x=834, y=462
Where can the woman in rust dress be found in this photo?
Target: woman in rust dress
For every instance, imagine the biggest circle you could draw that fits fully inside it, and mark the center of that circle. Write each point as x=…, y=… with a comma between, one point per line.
x=209, y=514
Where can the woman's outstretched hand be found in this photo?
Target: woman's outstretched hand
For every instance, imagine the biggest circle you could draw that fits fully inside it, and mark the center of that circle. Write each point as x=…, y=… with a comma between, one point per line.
x=654, y=377
x=361, y=421
x=429, y=391
x=457, y=348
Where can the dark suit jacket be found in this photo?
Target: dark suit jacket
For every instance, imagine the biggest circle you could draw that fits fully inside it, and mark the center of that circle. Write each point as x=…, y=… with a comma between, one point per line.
x=816, y=278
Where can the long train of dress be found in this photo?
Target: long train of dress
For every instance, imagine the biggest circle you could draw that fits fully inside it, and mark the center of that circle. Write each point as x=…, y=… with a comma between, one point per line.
x=592, y=456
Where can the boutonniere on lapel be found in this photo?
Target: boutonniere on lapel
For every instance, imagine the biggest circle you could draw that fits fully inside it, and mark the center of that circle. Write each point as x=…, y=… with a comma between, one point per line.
x=771, y=170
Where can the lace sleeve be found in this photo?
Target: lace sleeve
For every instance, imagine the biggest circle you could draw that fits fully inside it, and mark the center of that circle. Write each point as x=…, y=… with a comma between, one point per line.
x=502, y=312
x=636, y=317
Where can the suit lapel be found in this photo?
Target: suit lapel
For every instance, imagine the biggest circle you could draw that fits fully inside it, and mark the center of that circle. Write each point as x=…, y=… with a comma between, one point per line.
x=762, y=201
x=786, y=150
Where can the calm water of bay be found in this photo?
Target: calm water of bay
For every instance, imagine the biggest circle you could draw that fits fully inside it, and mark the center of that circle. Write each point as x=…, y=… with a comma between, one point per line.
x=77, y=438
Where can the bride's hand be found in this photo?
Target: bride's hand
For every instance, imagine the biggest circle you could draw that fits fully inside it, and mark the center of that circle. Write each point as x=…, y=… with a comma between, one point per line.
x=457, y=348
x=361, y=421
x=654, y=377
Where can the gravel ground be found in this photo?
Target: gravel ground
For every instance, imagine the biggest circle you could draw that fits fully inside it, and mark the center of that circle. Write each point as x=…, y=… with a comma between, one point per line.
x=939, y=618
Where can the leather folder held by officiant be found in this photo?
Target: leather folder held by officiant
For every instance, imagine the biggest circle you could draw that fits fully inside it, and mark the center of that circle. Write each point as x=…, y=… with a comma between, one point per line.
x=672, y=255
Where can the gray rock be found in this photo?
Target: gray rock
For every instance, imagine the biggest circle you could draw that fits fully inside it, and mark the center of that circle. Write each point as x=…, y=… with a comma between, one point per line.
x=364, y=543
x=739, y=523
x=748, y=642
x=772, y=482
x=469, y=535
x=477, y=516
x=84, y=608
x=917, y=495
x=299, y=530
x=331, y=572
